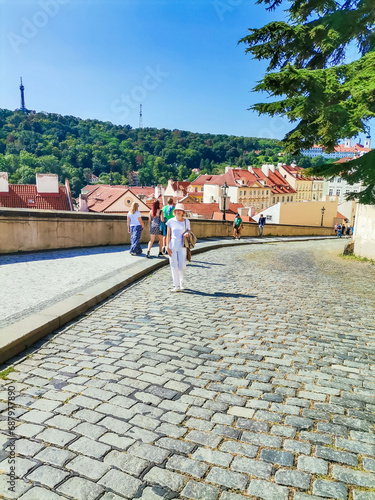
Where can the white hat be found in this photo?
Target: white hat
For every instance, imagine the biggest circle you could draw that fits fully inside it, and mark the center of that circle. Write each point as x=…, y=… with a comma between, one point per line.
x=179, y=206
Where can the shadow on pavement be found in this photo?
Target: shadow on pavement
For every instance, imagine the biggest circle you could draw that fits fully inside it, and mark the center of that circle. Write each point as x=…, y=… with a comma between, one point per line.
x=198, y=263
x=220, y=294
x=60, y=254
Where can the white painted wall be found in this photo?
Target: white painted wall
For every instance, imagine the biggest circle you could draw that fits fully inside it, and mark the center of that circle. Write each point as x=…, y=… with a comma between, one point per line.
x=364, y=231
x=211, y=193
x=272, y=214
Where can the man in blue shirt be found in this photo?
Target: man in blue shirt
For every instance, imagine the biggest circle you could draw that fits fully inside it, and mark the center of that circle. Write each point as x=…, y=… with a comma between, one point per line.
x=262, y=221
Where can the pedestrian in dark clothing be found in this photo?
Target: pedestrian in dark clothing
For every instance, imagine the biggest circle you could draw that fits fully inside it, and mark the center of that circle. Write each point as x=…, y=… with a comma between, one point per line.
x=262, y=222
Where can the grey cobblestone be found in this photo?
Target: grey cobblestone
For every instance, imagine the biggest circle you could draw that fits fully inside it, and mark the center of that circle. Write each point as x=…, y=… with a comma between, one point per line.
x=252, y=467
x=241, y=382
x=227, y=478
x=121, y=483
x=267, y=490
x=200, y=491
x=293, y=478
x=47, y=475
x=191, y=467
x=166, y=478
x=330, y=489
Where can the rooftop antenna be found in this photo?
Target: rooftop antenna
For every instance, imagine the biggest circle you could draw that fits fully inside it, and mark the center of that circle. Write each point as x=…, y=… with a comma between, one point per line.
x=140, y=117
x=22, y=89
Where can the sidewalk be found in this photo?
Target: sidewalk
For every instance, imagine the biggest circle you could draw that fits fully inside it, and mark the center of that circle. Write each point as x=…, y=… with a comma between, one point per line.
x=42, y=291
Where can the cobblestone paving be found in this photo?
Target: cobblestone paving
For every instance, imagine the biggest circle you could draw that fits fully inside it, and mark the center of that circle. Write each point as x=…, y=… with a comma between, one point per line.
x=257, y=382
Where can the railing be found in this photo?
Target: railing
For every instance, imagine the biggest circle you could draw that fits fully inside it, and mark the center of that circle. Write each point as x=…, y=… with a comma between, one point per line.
x=28, y=230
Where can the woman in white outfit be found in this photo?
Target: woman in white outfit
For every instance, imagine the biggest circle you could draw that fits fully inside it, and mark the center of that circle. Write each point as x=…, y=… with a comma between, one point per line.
x=177, y=253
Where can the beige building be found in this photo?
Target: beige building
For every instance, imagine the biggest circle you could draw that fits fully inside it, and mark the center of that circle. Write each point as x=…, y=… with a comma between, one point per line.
x=307, y=188
x=308, y=213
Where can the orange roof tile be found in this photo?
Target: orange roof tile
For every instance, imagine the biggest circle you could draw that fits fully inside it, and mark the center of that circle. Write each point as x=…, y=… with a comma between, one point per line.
x=27, y=196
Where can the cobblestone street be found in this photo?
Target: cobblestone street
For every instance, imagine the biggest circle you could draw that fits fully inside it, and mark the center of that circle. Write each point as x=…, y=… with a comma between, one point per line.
x=257, y=382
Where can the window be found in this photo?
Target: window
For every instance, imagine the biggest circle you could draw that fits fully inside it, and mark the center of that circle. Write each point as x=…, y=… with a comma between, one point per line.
x=244, y=193
x=240, y=193
x=330, y=193
x=269, y=217
x=267, y=192
x=287, y=198
x=274, y=200
x=338, y=192
x=258, y=193
x=266, y=205
x=262, y=205
x=196, y=189
x=283, y=198
x=291, y=198
x=338, y=179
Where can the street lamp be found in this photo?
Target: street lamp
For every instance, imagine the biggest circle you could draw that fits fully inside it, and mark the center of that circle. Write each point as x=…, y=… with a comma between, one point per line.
x=224, y=190
x=323, y=210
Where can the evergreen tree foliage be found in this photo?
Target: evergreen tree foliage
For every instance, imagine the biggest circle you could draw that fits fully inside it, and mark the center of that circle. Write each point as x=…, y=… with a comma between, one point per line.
x=313, y=80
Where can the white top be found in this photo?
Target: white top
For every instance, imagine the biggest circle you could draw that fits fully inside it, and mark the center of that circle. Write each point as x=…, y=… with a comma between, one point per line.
x=177, y=231
x=134, y=218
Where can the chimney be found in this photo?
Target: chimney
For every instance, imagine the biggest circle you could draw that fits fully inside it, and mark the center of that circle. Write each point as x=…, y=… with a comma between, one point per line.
x=4, y=185
x=83, y=205
x=265, y=169
x=250, y=169
x=47, y=184
x=272, y=167
x=279, y=165
x=228, y=169
x=368, y=142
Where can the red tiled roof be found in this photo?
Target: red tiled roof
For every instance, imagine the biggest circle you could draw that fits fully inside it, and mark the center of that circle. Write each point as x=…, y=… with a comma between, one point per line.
x=207, y=209
x=296, y=172
x=344, y=160
x=275, y=181
x=340, y=216
x=230, y=216
x=201, y=179
x=27, y=196
x=341, y=148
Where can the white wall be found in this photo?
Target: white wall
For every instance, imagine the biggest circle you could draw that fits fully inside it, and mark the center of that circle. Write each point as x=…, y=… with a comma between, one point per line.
x=364, y=231
x=273, y=211
x=211, y=193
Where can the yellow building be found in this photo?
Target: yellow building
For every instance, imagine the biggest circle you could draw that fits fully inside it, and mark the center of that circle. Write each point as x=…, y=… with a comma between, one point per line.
x=307, y=188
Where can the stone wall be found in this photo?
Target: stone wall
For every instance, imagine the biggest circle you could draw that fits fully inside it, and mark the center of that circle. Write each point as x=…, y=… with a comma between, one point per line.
x=23, y=230
x=364, y=231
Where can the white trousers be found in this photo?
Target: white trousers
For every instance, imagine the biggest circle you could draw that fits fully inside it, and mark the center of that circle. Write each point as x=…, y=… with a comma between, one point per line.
x=178, y=265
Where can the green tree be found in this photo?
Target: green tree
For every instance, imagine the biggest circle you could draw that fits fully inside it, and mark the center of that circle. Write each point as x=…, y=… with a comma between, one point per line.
x=314, y=83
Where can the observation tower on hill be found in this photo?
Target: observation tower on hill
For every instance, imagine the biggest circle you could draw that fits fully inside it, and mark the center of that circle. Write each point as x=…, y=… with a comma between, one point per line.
x=22, y=89
x=23, y=106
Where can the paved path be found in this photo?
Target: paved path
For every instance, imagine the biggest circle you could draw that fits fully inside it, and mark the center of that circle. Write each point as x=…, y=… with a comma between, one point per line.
x=257, y=382
x=34, y=281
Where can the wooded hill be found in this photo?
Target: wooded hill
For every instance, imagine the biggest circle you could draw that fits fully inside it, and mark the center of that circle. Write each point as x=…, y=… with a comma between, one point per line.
x=75, y=148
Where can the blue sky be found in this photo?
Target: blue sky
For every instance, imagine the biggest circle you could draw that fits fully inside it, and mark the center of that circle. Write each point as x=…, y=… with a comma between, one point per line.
x=102, y=58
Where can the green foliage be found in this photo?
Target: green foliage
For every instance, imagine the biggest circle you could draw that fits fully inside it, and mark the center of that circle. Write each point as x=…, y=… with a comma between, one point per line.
x=313, y=79
x=74, y=149
x=4, y=374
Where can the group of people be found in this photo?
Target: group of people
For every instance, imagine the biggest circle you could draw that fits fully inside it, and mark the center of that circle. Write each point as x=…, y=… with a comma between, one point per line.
x=169, y=225
x=342, y=230
x=238, y=224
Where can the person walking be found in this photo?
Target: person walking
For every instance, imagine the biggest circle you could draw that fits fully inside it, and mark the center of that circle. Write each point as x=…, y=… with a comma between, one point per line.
x=237, y=226
x=348, y=230
x=167, y=214
x=155, y=218
x=135, y=227
x=176, y=251
x=262, y=222
x=339, y=229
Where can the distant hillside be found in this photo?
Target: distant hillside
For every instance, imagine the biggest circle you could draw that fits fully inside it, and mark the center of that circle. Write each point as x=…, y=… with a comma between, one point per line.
x=75, y=148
